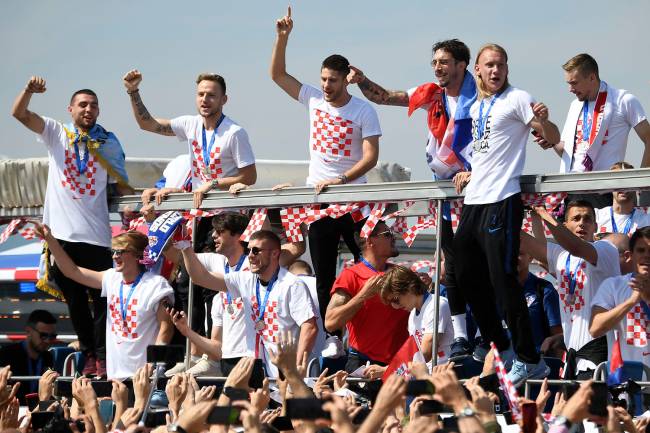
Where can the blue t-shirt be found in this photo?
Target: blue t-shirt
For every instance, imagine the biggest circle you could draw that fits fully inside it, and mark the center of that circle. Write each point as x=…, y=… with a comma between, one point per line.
x=544, y=313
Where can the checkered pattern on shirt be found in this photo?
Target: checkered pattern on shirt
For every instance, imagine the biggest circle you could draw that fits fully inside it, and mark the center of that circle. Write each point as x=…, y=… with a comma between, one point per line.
x=506, y=385
x=636, y=327
x=123, y=329
x=271, y=330
x=237, y=303
x=255, y=224
x=332, y=135
x=75, y=181
x=198, y=165
x=564, y=289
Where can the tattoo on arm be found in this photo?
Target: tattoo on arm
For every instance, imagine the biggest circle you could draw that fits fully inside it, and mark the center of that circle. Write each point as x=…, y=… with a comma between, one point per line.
x=140, y=110
x=164, y=129
x=377, y=94
x=338, y=299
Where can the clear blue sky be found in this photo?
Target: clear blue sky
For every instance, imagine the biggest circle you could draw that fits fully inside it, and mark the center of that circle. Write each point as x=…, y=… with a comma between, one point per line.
x=75, y=44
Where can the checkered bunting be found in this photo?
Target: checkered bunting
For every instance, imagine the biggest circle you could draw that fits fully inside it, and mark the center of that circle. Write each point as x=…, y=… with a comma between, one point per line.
x=136, y=222
x=428, y=266
x=74, y=180
x=198, y=165
x=195, y=213
x=456, y=208
x=527, y=226
x=331, y=135
x=563, y=289
x=506, y=385
x=400, y=225
x=255, y=224
x=271, y=330
x=314, y=213
x=411, y=233
x=17, y=225
x=636, y=326
x=550, y=201
x=125, y=329
x=374, y=217
x=292, y=218
x=337, y=210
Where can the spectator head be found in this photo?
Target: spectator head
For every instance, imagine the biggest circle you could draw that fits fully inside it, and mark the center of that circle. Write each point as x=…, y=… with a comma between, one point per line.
x=301, y=267
x=84, y=109
x=622, y=244
x=264, y=252
x=380, y=243
x=210, y=94
x=623, y=197
x=127, y=250
x=450, y=60
x=580, y=219
x=491, y=70
x=228, y=228
x=41, y=330
x=581, y=74
x=333, y=78
x=401, y=288
x=640, y=248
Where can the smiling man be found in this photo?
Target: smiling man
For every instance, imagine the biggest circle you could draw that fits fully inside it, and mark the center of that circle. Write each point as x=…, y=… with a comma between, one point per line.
x=219, y=149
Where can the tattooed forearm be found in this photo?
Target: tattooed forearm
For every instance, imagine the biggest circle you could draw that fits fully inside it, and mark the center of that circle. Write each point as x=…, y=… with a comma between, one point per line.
x=164, y=129
x=377, y=94
x=140, y=110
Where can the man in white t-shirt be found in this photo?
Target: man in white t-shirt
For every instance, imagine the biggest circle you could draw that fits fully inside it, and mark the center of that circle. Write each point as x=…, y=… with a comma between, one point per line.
x=598, y=124
x=486, y=244
x=343, y=146
x=270, y=299
x=622, y=216
x=447, y=150
x=580, y=266
x=621, y=304
x=220, y=152
x=80, y=156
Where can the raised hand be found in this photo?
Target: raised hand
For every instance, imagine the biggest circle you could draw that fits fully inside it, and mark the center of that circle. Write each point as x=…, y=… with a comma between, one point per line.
x=355, y=76
x=285, y=358
x=180, y=321
x=284, y=25
x=36, y=85
x=46, y=385
x=132, y=80
x=540, y=111
x=42, y=230
x=461, y=179
x=241, y=373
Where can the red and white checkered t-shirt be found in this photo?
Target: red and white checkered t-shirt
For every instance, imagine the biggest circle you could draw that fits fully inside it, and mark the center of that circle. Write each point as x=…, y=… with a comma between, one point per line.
x=289, y=306
x=127, y=340
x=336, y=134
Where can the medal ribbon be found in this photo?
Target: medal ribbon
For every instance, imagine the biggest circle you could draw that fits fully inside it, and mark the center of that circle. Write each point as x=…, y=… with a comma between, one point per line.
x=628, y=224
x=123, y=306
x=237, y=268
x=572, y=278
x=482, y=121
x=82, y=164
x=262, y=306
x=368, y=265
x=205, y=148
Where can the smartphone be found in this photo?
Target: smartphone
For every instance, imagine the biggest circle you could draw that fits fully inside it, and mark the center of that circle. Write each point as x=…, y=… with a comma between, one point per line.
x=235, y=394
x=40, y=419
x=103, y=388
x=156, y=418
x=306, y=408
x=282, y=423
x=32, y=401
x=107, y=410
x=490, y=383
x=429, y=407
x=508, y=417
x=169, y=354
x=450, y=423
x=223, y=415
x=64, y=388
x=419, y=387
x=43, y=405
x=529, y=417
x=258, y=375
x=598, y=404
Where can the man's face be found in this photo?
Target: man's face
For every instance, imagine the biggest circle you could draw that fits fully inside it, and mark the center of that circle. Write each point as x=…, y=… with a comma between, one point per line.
x=623, y=197
x=404, y=301
x=641, y=256
x=262, y=255
x=580, y=221
x=41, y=336
x=580, y=84
x=84, y=110
x=383, y=241
x=492, y=68
x=224, y=241
x=333, y=84
x=210, y=98
x=447, y=70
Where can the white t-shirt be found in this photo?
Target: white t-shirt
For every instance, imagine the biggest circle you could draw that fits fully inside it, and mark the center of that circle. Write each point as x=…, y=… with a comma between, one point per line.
x=177, y=171
x=632, y=330
x=499, y=154
x=336, y=134
x=319, y=345
x=234, y=343
x=440, y=170
x=421, y=324
x=288, y=306
x=75, y=207
x=604, y=220
x=126, y=342
x=230, y=152
x=576, y=316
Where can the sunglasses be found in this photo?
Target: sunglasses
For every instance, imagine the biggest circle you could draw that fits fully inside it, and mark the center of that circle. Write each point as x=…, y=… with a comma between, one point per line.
x=47, y=335
x=388, y=233
x=255, y=250
x=117, y=253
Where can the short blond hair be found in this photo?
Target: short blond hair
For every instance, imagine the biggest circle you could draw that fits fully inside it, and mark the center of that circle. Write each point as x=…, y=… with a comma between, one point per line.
x=209, y=76
x=133, y=241
x=480, y=85
x=583, y=63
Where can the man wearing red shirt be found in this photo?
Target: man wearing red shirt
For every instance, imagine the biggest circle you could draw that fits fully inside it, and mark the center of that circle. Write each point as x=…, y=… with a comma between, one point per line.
x=376, y=331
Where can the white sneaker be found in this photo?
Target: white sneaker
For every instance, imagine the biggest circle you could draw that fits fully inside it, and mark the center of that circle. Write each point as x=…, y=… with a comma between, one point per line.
x=178, y=368
x=206, y=367
x=333, y=348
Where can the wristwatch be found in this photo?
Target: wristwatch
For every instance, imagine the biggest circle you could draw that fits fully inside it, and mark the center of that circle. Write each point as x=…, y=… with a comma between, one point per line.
x=175, y=428
x=214, y=184
x=343, y=178
x=465, y=412
x=561, y=421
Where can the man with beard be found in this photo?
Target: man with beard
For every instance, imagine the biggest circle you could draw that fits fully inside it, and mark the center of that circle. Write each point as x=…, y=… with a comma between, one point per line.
x=450, y=131
x=376, y=331
x=85, y=161
x=219, y=149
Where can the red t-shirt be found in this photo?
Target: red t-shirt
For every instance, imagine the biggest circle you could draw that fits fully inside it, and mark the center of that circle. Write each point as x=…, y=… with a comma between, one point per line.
x=377, y=330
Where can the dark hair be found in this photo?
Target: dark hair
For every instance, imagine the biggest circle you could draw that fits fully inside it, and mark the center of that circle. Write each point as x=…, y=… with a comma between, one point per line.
x=212, y=77
x=42, y=316
x=338, y=63
x=621, y=165
x=232, y=221
x=458, y=50
x=583, y=63
x=267, y=235
x=83, y=92
x=643, y=232
x=301, y=267
x=580, y=203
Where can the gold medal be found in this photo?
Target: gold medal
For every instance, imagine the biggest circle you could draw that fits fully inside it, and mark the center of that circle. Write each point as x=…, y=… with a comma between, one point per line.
x=230, y=309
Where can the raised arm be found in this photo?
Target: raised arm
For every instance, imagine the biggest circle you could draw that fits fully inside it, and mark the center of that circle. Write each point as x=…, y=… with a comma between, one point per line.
x=199, y=273
x=279, y=74
x=131, y=81
x=19, y=110
x=540, y=123
x=211, y=346
x=643, y=131
x=86, y=277
x=376, y=93
x=567, y=240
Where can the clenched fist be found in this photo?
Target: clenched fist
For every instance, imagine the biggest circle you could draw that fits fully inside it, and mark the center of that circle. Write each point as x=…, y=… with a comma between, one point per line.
x=132, y=80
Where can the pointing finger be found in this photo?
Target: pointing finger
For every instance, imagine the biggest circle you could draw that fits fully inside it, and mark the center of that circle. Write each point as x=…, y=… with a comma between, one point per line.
x=289, y=11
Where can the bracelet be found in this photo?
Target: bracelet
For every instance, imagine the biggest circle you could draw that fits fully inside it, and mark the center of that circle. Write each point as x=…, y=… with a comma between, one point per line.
x=131, y=92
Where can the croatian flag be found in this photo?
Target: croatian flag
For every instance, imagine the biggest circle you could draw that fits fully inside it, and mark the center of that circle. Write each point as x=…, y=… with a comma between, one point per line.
x=616, y=375
x=409, y=352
